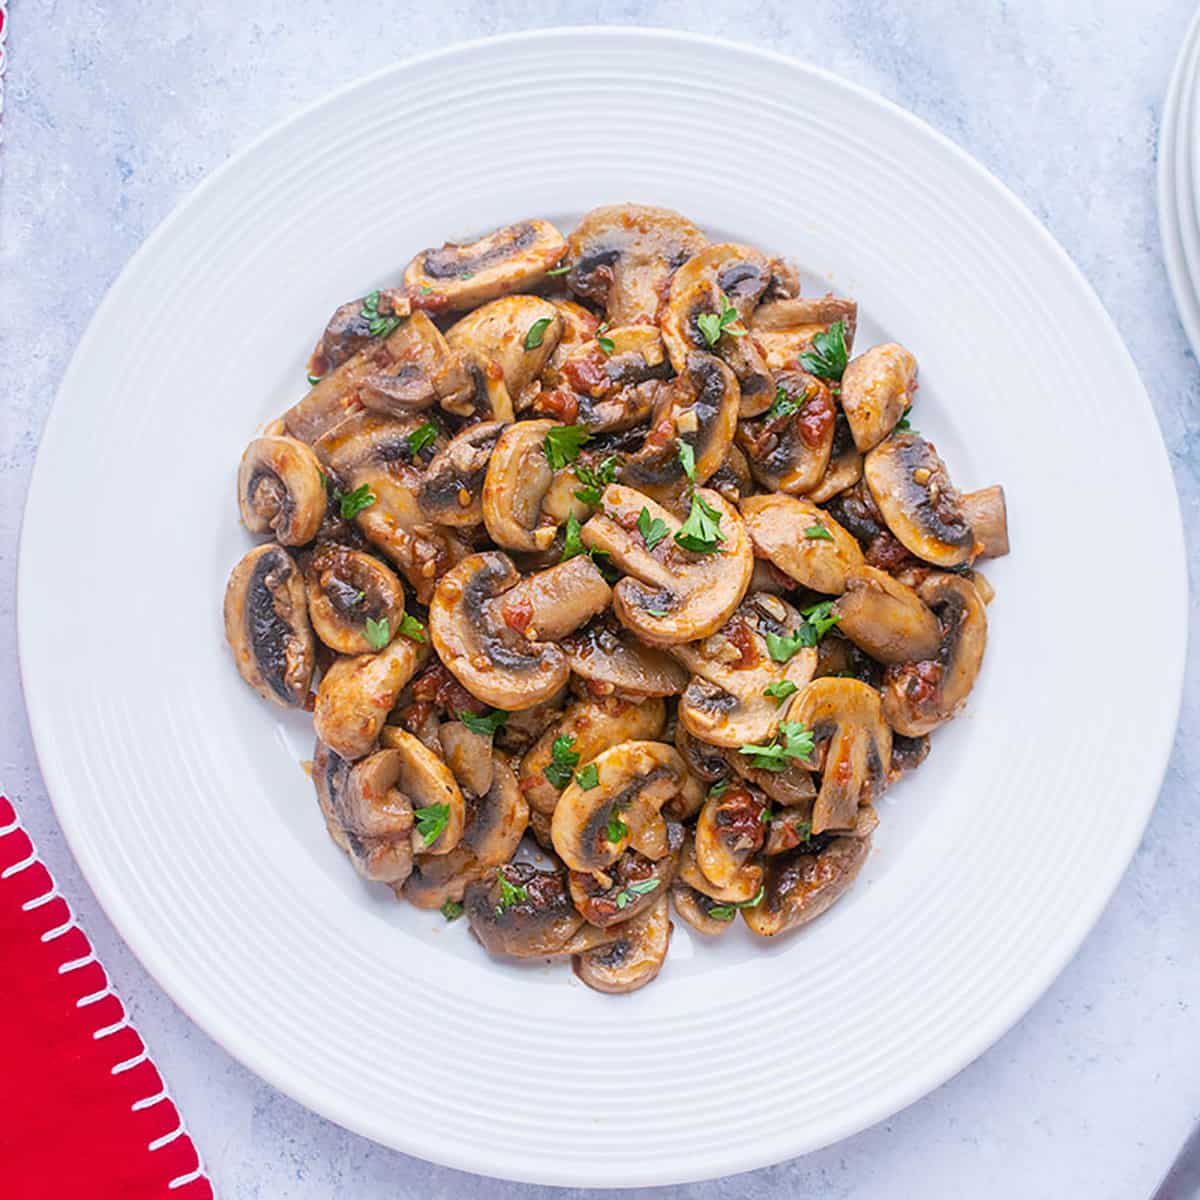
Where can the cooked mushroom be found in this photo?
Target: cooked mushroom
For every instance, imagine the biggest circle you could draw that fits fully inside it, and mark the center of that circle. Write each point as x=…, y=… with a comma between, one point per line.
x=633, y=884
x=788, y=449
x=266, y=625
x=526, y=912
x=468, y=754
x=732, y=478
x=791, y=787
x=634, y=959
x=912, y=490
x=786, y=327
x=802, y=540
x=698, y=409
x=727, y=702
x=877, y=387
x=697, y=909
x=612, y=662
x=845, y=464
x=920, y=696
x=908, y=753
x=854, y=744
x=720, y=275
x=633, y=782
x=987, y=515
x=800, y=886
x=346, y=589
x=354, y=325
x=705, y=762
x=885, y=617
x=730, y=833
x=511, y=259
x=670, y=595
x=356, y=694
x=280, y=490
x=451, y=492
x=623, y=255
x=432, y=789
x=485, y=622
x=689, y=872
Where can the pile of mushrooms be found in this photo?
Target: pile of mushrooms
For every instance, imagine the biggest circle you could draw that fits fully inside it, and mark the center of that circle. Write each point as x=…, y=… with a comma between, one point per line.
x=614, y=581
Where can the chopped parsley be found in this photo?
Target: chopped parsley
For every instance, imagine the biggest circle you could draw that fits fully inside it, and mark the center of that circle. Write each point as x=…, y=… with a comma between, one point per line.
x=588, y=777
x=779, y=689
x=819, y=532
x=410, y=627
x=826, y=357
x=606, y=344
x=655, y=612
x=652, y=529
x=687, y=457
x=313, y=380
x=425, y=289
x=594, y=479
x=701, y=532
x=784, y=405
x=563, y=443
x=819, y=619
x=725, y=912
x=486, y=724
x=712, y=325
x=452, y=910
x=902, y=425
x=719, y=789
x=537, y=332
x=432, y=821
x=572, y=542
x=377, y=326
x=641, y=888
x=617, y=829
x=350, y=504
x=509, y=895
x=422, y=436
x=803, y=830
x=559, y=270
x=792, y=741
x=564, y=758
x=378, y=633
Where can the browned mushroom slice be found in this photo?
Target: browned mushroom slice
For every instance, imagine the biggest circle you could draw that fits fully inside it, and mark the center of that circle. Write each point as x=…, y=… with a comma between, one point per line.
x=698, y=409
x=802, y=540
x=985, y=511
x=908, y=753
x=788, y=449
x=730, y=832
x=920, y=696
x=792, y=787
x=670, y=595
x=485, y=626
x=439, y=808
x=468, y=754
x=356, y=694
x=732, y=478
x=845, y=464
x=526, y=912
x=623, y=255
x=354, y=326
x=885, y=618
x=721, y=275
x=785, y=328
x=511, y=259
x=854, y=745
x=612, y=662
x=346, y=589
x=451, y=492
x=877, y=387
x=634, y=959
x=280, y=490
x=697, y=909
x=743, y=891
x=707, y=763
x=266, y=625
x=800, y=886
x=631, y=885
x=735, y=696
x=912, y=490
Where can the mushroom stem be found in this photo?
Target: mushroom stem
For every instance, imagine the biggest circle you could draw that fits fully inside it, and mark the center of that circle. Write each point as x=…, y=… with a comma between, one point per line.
x=987, y=514
x=560, y=599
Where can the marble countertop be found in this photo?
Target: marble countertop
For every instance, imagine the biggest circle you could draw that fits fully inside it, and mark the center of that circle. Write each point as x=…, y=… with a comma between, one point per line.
x=114, y=112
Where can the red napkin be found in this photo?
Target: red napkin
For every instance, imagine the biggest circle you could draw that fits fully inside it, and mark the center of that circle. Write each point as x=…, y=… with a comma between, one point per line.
x=83, y=1110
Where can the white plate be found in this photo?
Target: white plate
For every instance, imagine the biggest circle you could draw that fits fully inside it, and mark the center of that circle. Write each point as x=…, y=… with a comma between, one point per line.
x=179, y=788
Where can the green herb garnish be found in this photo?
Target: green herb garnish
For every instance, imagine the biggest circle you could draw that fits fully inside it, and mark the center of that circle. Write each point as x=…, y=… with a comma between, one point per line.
x=410, y=627
x=617, y=829
x=605, y=343
x=313, y=380
x=784, y=405
x=563, y=761
x=819, y=532
x=486, y=724
x=652, y=529
x=572, y=542
x=536, y=332
x=687, y=457
x=719, y=789
x=712, y=325
x=826, y=357
x=563, y=443
x=725, y=912
x=452, y=910
x=902, y=425
x=792, y=741
x=560, y=270
x=588, y=777
x=701, y=532
x=377, y=326
x=431, y=821
x=594, y=479
x=422, y=436
x=509, y=895
x=821, y=617
x=780, y=689
x=350, y=504
x=378, y=633
x=641, y=888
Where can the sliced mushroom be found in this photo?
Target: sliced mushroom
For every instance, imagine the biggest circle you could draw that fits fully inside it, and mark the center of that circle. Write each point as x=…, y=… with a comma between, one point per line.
x=634, y=780
x=349, y=330
x=487, y=638
x=347, y=588
x=987, y=514
x=468, y=755
x=800, y=886
x=689, y=872
x=854, y=744
x=623, y=255
x=717, y=274
x=877, y=387
x=590, y=726
x=356, y=694
x=727, y=702
x=908, y=753
x=885, y=618
x=511, y=259
x=802, y=540
x=785, y=328
x=697, y=909
x=451, y=492
x=426, y=780
x=612, y=662
x=266, y=625
x=699, y=409
x=792, y=787
x=789, y=452
x=632, y=885
x=670, y=595
x=732, y=478
x=707, y=763
x=280, y=490
x=845, y=464
x=730, y=832
x=920, y=696
x=912, y=490
x=523, y=728
x=634, y=959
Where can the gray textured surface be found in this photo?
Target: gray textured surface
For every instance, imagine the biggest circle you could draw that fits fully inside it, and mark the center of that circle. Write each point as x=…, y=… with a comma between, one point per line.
x=115, y=111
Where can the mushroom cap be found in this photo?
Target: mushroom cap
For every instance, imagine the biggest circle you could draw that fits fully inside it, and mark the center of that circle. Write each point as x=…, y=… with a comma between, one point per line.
x=790, y=453
x=912, y=490
x=356, y=695
x=726, y=702
x=266, y=625
x=422, y=369
x=510, y=259
x=634, y=959
x=920, y=696
x=732, y=478
x=612, y=662
x=743, y=889
x=696, y=593
x=425, y=779
x=845, y=718
x=784, y=328
x=499, y=333
x=622, y=256
x=877, y=387
x=987, y=514
x=885, y=617
x=280, y=490
x=451, y=492
x=345, y=588
x=706, y=762
x=517, y=480
x=778, y=526
x=634, y=780
x=632, y=885
x=730, y=833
